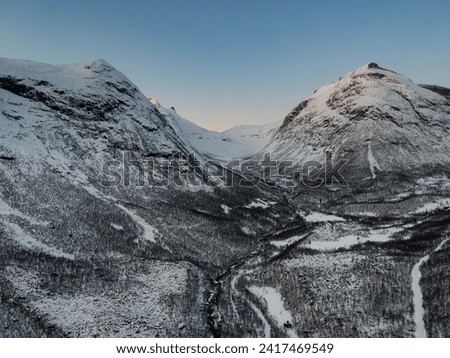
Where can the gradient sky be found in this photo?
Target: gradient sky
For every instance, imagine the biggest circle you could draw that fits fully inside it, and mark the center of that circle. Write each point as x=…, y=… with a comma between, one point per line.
x=223, y=63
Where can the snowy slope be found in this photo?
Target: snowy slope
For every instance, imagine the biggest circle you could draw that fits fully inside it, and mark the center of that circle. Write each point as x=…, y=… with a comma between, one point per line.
x=71, y=117
x=376, y=119
x=236, y=142
x=257, y=136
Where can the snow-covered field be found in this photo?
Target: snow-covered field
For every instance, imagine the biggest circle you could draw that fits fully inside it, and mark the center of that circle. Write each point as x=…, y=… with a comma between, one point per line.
x=347, y=241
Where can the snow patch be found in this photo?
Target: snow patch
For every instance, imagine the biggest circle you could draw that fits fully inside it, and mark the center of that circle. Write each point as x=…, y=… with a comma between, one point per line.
x=372, y=162
x=287, y=242
x=150, y=232
x=275, y=306
x=378, y=235
x=400, y=196
x=258, y=203
x=226, y=209
x=117, y=227
x=435, y=180
x=430, y=207
x=316, y=217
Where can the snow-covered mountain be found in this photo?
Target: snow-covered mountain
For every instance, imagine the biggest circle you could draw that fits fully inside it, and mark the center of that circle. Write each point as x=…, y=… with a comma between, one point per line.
x=71, y=116
x=236, y=142
x=376, y=119
x=156, y=256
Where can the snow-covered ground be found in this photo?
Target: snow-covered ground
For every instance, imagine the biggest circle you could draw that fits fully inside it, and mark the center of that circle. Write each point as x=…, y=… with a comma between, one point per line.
x=226, y=209
x=430, y=207
x=284, y=243
x=378, y=235
x=372, y=162
x=258, y=203
x=149, y=232
x=275, y=307
x=315, y=217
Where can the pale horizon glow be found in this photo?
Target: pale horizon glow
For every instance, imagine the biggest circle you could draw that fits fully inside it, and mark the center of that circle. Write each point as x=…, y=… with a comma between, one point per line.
x=222, y=64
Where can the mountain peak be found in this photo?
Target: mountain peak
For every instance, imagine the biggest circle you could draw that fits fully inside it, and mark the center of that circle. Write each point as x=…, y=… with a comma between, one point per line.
x=373, y=65
x=99, y=65
x=92, y=98
x=101, y=61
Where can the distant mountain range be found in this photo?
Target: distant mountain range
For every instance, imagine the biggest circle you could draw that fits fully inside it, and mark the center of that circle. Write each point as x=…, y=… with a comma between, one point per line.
x=237, y=142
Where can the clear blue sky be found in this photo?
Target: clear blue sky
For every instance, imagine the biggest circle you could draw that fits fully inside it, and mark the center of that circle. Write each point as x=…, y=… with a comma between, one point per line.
x=222, y=63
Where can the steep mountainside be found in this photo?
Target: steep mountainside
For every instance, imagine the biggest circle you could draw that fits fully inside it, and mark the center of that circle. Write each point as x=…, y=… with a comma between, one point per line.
x=376, y=119
x=54, y=114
